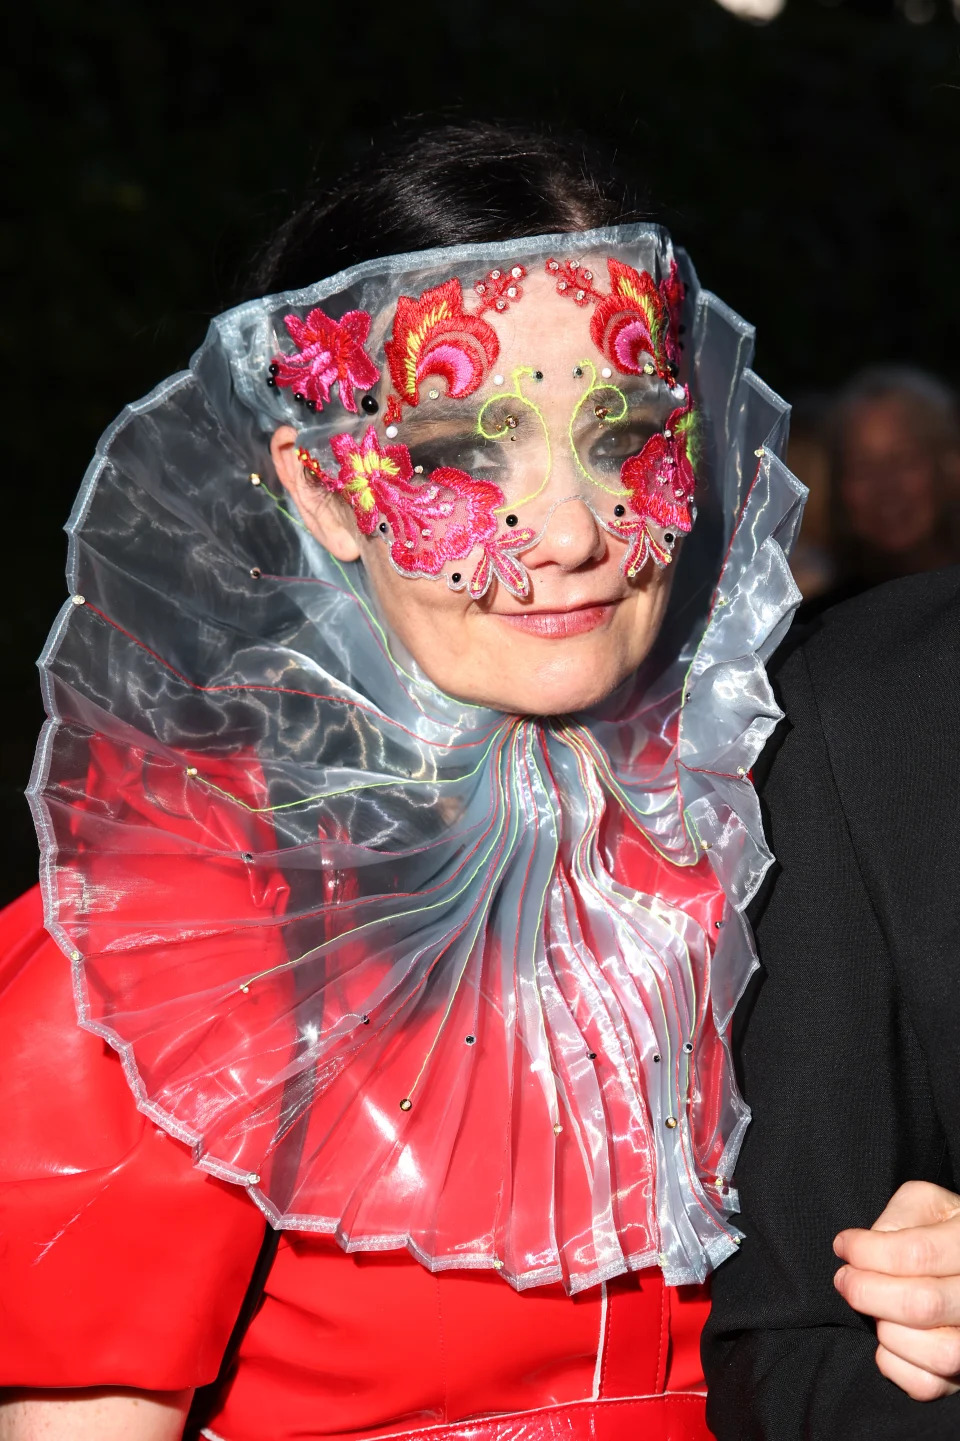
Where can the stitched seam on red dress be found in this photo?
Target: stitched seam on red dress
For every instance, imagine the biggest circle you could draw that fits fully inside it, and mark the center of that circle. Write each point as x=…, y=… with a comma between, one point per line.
x=499, y=1417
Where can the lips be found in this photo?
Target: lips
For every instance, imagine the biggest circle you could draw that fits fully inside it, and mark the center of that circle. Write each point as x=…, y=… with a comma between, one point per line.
x=559, y=624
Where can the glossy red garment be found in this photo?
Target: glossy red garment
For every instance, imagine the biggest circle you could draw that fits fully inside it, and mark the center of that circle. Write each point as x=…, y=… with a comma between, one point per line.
x=106, y=1225
x=124, y=1264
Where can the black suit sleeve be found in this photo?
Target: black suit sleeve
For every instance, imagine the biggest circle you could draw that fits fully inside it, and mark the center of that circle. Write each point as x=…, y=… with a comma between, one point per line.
x=839, y=1049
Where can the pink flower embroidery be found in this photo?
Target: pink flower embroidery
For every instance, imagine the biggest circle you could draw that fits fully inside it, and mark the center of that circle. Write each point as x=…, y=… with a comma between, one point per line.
x=429, y=523
x=329, y=351
x=371, y=479
x=661, y=483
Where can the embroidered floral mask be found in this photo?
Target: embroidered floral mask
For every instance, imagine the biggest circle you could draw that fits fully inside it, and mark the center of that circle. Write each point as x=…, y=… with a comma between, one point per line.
x=492, y=399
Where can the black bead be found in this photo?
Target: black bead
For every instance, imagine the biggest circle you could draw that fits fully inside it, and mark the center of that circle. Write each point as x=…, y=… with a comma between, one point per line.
x=311, y=405
x=456, y=577
x=538, y=375
x=370, y=404
x=382, y=527
x=619, y=510
x=591, y=1055
x=470, y=1040
x=578, y=371
x=656, y=1058
x=255, y=572
x=271, y=382
x=299, y=395
x=365, y=1020
x=274, y=369
x=669, y=537
x=511, y=520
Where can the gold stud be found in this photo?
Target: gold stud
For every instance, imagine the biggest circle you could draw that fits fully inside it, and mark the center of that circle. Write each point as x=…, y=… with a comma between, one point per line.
x=254, y=478
x=79, y=599
x=75, y=956
x=245, y=988
x=406, y=1104
x=253, y=1179
x=557, y=1129
x=497, y=1264
x=671, y=1123
x=649, y=369
x=191, y=770
x=760, y=452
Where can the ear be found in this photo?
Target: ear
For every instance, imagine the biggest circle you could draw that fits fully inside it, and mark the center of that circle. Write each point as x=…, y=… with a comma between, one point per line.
x=327, y=521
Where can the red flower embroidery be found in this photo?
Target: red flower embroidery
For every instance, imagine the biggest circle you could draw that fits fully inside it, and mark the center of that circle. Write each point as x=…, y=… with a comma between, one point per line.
x=329, y=351
x=638, y=318
x=435, y=336
x=429, y=523
x=574, y=280
x=499, y=560
x=500, y=288
x=661, y=483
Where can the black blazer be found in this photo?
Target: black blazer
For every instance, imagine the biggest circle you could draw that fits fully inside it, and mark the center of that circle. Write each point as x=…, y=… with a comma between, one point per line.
x=848, y=1040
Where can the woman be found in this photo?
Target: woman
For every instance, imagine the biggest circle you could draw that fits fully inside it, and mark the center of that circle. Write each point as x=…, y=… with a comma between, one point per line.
x=397, y=819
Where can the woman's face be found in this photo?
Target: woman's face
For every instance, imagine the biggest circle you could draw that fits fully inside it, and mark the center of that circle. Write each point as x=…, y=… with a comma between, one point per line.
x=584, y=627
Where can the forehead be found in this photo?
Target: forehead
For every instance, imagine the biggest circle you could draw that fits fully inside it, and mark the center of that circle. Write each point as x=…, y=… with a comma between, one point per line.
x=541, y=323
x=547, y=322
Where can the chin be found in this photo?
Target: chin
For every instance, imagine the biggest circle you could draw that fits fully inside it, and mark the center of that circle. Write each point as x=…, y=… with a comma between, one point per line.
x=546, y=696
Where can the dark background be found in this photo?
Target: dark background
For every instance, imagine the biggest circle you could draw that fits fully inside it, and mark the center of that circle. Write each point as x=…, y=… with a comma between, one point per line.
x=809, y=165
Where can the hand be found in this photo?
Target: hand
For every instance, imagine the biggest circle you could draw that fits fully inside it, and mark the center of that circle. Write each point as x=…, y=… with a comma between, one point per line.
x=905, y=1272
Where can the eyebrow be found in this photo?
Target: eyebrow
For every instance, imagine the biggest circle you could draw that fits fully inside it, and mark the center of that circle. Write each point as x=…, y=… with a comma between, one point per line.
x=458, y=416
x=457, y=419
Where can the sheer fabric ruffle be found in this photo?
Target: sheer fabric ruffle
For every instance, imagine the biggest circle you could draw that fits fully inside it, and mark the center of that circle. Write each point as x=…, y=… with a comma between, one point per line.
x=496, y=957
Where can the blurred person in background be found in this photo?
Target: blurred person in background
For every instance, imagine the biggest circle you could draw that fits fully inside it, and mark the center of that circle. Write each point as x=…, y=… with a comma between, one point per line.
x=895, y=478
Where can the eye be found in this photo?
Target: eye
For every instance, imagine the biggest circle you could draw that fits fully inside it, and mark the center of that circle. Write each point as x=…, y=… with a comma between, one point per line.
x=616, y=443
x=469, y=452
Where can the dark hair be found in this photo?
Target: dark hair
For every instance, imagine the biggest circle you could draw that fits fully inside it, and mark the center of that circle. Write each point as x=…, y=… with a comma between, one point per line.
x=449, y=185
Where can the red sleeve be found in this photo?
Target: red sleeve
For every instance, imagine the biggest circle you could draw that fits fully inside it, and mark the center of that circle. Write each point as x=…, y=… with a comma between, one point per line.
x=121, y=1263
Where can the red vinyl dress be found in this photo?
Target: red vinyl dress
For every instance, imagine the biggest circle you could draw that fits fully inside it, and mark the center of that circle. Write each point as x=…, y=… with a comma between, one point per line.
x=123, y=1264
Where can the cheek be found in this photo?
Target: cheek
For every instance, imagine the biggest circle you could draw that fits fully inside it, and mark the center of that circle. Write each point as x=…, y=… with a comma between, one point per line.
x=422, y=611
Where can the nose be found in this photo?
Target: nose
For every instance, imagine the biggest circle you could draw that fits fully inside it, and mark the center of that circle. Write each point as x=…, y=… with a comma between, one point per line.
x=570, y=538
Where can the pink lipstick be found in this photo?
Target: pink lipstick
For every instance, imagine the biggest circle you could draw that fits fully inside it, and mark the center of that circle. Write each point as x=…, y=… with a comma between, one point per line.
x=558, y=624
